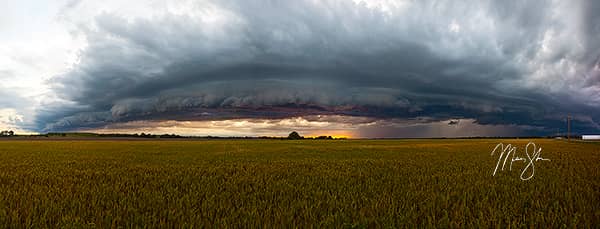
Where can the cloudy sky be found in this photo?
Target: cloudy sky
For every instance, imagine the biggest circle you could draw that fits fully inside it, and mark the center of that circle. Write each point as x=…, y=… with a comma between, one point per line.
x=356, y=68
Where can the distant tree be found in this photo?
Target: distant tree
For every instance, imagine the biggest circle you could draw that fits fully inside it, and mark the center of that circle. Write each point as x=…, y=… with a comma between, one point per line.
x=294, y=135
x=6, y=133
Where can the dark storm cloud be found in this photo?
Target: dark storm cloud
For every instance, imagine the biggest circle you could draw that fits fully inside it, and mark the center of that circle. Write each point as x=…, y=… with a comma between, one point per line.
x=280, y=59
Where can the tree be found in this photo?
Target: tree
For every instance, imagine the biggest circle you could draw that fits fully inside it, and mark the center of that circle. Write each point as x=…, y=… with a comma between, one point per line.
x=7, y=133
x=294, y=135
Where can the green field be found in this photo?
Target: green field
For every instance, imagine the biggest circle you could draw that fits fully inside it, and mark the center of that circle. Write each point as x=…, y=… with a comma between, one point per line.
x=280, y=183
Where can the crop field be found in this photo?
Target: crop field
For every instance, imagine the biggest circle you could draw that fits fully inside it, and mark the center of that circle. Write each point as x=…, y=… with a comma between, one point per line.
x=304, y=183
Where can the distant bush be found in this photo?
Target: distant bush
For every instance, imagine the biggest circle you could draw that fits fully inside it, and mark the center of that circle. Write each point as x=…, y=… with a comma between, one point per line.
x=324, y=137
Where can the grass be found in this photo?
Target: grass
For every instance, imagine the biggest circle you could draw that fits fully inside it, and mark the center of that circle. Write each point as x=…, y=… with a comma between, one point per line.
x=275, y=183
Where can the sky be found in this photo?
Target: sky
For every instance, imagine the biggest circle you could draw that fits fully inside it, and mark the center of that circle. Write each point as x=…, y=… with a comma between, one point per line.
x=353, y=68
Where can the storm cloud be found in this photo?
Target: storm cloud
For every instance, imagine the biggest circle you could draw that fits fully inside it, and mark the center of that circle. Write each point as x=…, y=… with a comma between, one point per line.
x=510, y=63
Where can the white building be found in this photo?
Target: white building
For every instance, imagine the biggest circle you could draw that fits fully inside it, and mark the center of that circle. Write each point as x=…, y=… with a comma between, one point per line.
x=590, y=137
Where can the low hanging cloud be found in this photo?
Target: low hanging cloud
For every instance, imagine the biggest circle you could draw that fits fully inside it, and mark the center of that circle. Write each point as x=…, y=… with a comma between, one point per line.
x=498, y=63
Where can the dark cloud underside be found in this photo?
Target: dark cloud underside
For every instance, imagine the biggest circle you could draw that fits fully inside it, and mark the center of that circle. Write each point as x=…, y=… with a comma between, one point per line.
x=262, y=59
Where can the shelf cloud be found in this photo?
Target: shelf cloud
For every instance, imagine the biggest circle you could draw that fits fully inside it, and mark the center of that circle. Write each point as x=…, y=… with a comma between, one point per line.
x=511, y=63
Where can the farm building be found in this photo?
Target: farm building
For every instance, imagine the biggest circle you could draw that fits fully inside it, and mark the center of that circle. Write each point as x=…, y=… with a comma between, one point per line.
x=590, y=137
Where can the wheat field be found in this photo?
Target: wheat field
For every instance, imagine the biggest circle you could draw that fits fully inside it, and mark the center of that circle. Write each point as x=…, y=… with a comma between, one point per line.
x=304, y=183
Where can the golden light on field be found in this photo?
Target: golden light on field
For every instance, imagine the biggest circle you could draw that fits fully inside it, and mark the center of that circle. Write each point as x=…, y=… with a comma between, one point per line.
x=238, y=183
